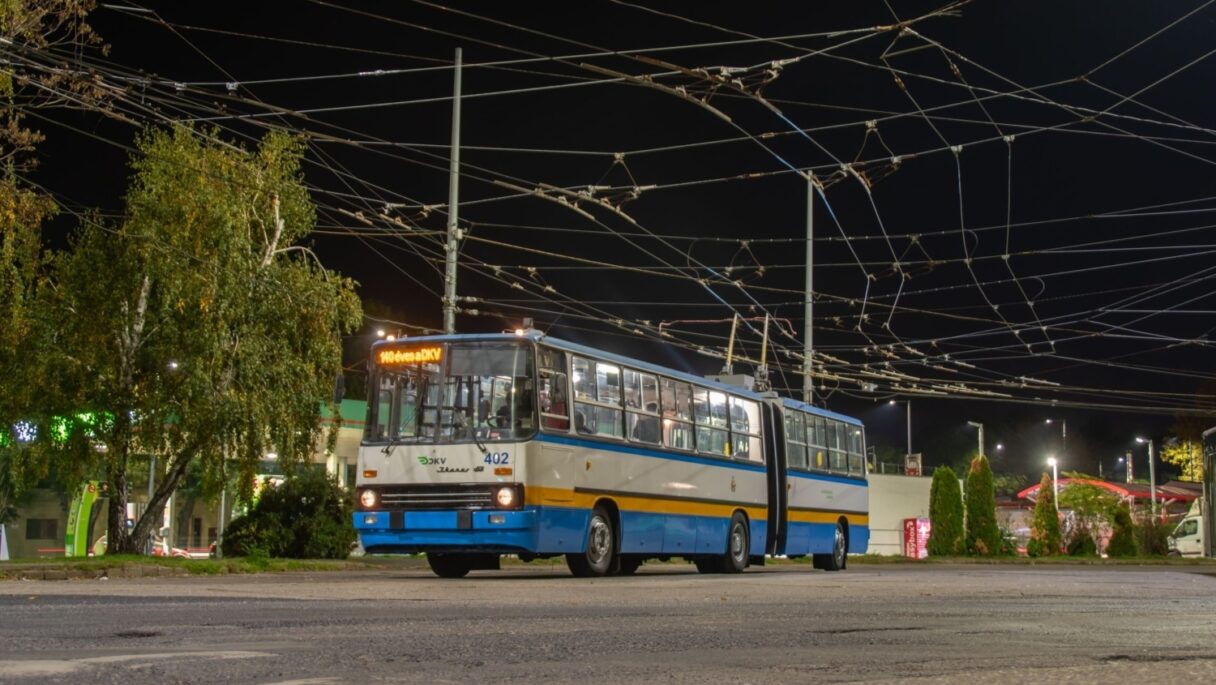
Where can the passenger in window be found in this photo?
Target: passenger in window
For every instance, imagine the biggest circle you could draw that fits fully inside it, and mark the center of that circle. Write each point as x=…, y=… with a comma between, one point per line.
x=580, y=423
x=647, y=428
x=557, y=405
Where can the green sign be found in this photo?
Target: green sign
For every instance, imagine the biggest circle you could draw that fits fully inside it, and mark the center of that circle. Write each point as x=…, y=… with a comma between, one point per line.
x=76, y=541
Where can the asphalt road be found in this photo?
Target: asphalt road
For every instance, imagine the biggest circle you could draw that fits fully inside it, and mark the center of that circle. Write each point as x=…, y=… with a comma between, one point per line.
x=786, y=624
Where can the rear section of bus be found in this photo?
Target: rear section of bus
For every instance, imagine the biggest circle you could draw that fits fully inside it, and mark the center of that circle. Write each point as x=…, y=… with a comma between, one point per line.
x=442, y=459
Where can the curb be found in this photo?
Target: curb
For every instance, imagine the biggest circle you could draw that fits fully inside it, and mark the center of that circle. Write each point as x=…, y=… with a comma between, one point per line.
x=59, y=572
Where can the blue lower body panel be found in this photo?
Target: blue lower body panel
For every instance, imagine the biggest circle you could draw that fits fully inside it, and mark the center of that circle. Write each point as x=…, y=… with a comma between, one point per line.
x=545, y=530
x=817, y=538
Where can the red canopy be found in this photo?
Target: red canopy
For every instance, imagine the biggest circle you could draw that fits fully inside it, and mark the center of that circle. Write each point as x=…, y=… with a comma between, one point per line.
x=1174, y=491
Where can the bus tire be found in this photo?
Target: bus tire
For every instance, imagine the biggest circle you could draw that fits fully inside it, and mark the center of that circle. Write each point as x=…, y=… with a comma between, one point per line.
x=450, y=565
x=738, y=540
x=838, y=559
x=600, y=554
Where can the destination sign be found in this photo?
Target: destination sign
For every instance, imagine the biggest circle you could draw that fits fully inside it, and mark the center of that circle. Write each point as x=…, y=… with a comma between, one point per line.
x=396, y=356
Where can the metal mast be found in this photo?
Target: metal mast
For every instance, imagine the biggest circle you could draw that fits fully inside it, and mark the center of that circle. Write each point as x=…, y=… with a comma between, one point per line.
x=454, y=233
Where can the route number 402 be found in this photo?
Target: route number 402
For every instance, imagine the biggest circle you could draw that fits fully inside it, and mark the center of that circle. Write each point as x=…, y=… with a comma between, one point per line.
x=498, y=458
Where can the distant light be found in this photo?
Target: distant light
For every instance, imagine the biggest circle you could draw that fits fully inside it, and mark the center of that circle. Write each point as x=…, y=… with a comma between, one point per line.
x=890, y=401
x=1141, y=440
x=1000, y=446
x=272, y=455
x=519, y=331
x=390, y=338
x=1047, y=421
x=25, y=431
x=380, y=332
x=173, y=365
x=1051, y=461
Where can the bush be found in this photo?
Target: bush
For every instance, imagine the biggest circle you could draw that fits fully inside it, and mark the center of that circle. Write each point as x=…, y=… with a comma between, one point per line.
x=1123, y=536
x=1083, y=545
x=983, y=536
x=945, y=514
x=1045, y=524
x=306, y=517
x=1153, y=536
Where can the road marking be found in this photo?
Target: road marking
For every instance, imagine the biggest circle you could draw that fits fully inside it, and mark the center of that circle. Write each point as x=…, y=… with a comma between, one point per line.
x=46, y=667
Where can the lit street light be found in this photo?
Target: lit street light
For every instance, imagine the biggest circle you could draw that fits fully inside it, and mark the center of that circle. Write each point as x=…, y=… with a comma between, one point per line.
x=1152, y=475
x=1063, y=435
x=980, y=426
x=1055, y=480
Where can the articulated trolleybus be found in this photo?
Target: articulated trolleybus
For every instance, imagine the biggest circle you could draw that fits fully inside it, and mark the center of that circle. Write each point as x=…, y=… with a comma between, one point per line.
x=484, y=445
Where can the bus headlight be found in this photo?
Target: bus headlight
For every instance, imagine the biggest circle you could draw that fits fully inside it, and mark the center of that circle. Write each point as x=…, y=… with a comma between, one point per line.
x=368, y=499
x=506, y=497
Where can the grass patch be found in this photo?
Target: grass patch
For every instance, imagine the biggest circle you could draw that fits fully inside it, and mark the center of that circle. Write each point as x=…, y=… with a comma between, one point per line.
x=86, y=566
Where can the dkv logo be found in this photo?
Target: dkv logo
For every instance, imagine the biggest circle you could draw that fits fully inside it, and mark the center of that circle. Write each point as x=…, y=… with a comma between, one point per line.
x=432, y=461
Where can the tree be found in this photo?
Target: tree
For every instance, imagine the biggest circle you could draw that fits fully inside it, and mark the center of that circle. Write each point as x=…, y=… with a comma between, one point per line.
x=306, y=517
x=945, y=513
x=1045, y=522
x=198, y=329
x=1091, y=508
x=1123, y=535
x=32, y=33
x=983, y=535
x=1184, y=447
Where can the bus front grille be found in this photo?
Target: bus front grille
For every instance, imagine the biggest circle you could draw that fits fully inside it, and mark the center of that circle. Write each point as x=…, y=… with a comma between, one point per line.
x=443, y=497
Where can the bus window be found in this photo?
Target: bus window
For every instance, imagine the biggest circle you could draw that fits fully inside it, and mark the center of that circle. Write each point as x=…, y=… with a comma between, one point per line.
x=709, y=407
x=745, y=429
x=857, y=464
x=599, y=384
x=554, y=409
x=816, y=434
x=676, y=405
x=384, y=410
x=837, y=457
x=642, y=407
x=795, y=439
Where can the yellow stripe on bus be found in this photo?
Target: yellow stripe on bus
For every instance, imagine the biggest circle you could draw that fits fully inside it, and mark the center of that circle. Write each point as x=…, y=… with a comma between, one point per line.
x=562, y=497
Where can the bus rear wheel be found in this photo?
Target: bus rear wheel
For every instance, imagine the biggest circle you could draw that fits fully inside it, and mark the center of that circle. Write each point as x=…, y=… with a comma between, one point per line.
x=737, y=544
x=597, y=559
x=838, y=559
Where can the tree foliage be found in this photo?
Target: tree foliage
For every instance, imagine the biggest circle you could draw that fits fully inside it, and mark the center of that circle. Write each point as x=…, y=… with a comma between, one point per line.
x=1184, y=447
x=1123, y=535
x=306, y=517
x=945, y=513
x=1045, y=523
x=1091, y=509
x=983, y=535
x=200, y=328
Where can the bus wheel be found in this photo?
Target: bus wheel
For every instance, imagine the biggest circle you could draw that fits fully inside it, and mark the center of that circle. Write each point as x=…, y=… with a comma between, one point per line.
x=450, y=565
x=601, y=548
x=737, y=543
x=837, y=560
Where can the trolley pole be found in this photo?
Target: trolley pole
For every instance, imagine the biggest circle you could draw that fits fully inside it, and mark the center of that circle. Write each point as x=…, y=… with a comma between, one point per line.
x=453, y=243
x=808, y=383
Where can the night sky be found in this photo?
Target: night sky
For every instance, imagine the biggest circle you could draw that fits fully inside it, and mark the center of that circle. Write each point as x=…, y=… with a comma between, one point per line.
x=1015, y=220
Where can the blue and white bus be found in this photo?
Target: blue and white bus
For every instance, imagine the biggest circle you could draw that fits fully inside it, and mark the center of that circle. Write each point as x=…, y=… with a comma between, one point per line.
x=482, y=445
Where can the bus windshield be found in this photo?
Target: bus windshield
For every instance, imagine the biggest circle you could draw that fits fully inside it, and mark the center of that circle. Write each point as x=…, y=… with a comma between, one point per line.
x=454, y=392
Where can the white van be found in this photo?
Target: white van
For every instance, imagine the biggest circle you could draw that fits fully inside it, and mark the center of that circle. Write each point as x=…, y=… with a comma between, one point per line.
x=1187, y=538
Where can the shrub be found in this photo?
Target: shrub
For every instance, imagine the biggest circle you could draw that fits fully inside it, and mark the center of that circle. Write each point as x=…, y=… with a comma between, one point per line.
x=1045, y=524
x=1153, y=536
x=306, y=517
x=1123, y=537
x=1082, y=545
x=983, y=535
x=945, y=513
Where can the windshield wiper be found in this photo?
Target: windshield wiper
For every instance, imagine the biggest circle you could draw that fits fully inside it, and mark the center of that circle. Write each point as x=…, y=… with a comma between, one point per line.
x=462, y=422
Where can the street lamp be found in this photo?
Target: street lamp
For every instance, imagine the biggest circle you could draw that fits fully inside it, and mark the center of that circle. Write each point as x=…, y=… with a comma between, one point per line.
x=1152, y=474
x=1063, y=435
x=907, y=420
x=980, y=426
x=1000, y=446
x=1055, y=481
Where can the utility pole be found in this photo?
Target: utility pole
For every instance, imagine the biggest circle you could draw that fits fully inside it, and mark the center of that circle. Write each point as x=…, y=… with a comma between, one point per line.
x=808, y=383
x=453, y=244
